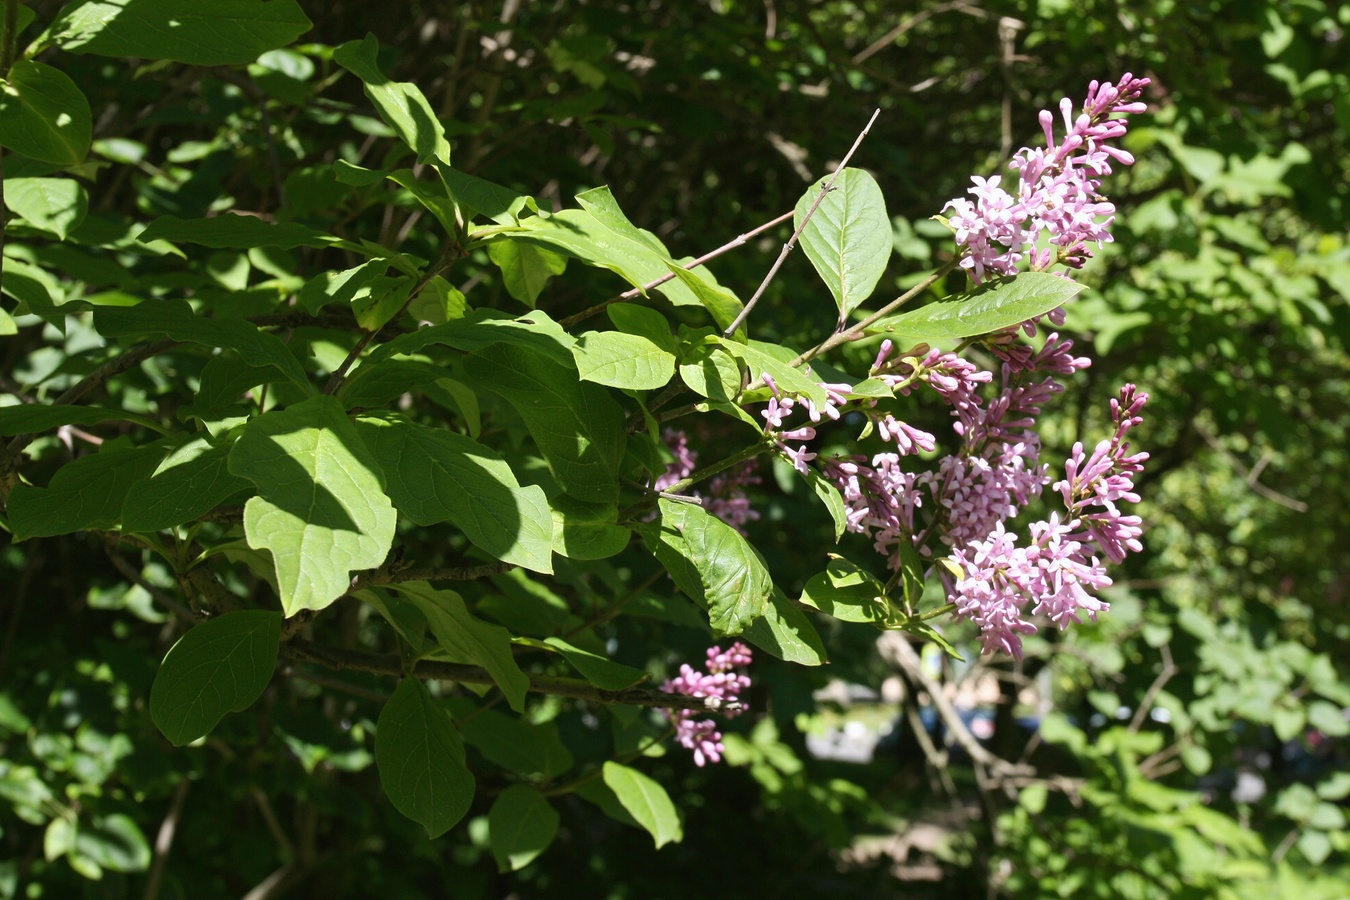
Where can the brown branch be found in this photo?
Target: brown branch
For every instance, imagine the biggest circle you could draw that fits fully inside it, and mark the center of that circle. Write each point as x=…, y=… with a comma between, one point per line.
x=576, y=688
x=164, y=840
x=1169, y=669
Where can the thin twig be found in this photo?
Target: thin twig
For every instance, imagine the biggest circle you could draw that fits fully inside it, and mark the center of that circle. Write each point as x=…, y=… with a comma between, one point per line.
x=135, y=578
x=576, y=688
x=445, y=573
x=164, y=840
x=1169, y=669
x=441, y=265
x=792, y=241
x=1250, y=476
x=657, y=282
x=854, y=331
x=94, y=379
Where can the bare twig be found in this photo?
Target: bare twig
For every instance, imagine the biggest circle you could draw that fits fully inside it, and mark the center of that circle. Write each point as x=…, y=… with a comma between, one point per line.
x=855, y=331
x=1250, y=476
x=906, y=24
x=792, y=241
x=164, y=840
x=657, y=282
x=910, y=662
x=1169, y=669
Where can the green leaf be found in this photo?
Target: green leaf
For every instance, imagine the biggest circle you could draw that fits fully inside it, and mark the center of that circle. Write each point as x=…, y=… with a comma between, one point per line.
x=114, y=843
x=469, y=639
x=526, y=268
x=475, y=195
x=220, y=666
x=587, y=530
x=600, y=671
x=432, y=196
x=44, y=115
x=85, y=494
x=991, y=307
x=623, y=360
x=57, y=205
x=401, y=105
x=521, y=825
x=761, y=358
x=188, y=483
x=175, y=319
x=234, y=232
x=848, y=239
x=709, y=369
x=639, y=320
x=215, y=33
x=577, y=426
x=534, y=332
x=377, y=384
x=434, y=475
x=515, y=744
x=646, y=801
x=36, y=290
x=721, y=304
x=321, y=509
x=421, y=759
x=344, y=287
x=847, y=592
x=30, y=418
x=830, y=496
x=712, y=563
x=786, y=632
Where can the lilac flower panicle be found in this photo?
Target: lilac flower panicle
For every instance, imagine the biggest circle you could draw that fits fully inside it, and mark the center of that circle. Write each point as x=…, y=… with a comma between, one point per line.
x=1056, y=193
x=725, y=496
x=720, y=687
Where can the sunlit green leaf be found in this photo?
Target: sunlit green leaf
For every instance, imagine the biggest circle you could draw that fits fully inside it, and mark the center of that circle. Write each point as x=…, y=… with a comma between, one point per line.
x=401, y=104
x=991, y=307
x=321, y=509
x=623, y=360
x=848, y=238
x=711, y=563
x=646, y=801
x=216, y=33
x=434, y=475
x=57, y=205
x=189, y=482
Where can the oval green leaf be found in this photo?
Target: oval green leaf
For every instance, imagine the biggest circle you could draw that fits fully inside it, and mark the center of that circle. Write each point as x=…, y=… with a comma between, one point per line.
x=221, y=666
x=57, y=205
x=991, y=307
x=521, y=825
x=646, y=801
x=420, y=757
x=321, y=508
x=43, y=115
x=848, y=239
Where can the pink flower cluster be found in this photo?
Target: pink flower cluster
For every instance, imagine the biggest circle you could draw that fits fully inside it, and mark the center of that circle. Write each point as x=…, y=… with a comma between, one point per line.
x=721, y=687
x=997, y=472
x=1056, y=192
x=1060, y=565
x=725, y=496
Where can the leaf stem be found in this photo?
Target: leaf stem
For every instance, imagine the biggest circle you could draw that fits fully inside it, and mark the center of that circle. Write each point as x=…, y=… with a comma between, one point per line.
x=855, y=331
x=9, y=47
x=792, y=241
